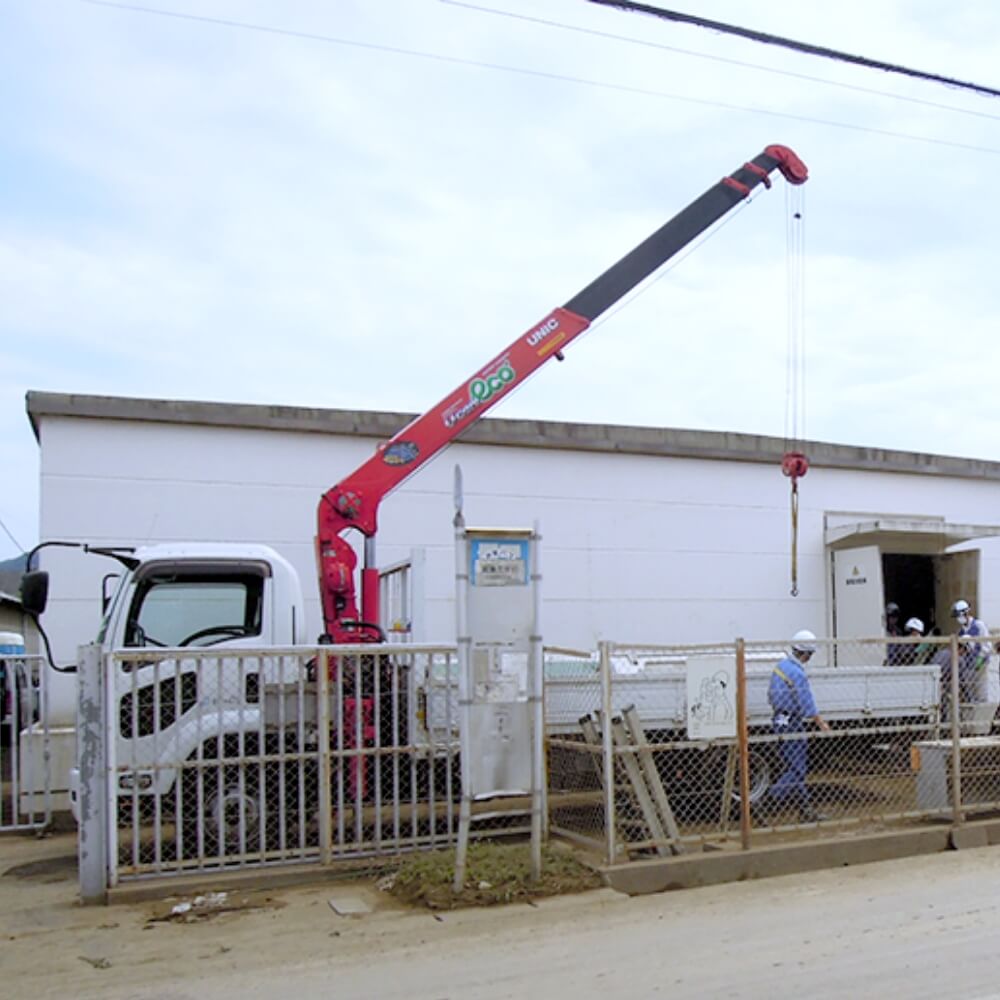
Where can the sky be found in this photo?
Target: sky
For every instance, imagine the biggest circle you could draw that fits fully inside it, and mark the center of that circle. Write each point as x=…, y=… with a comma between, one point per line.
x=356, y=205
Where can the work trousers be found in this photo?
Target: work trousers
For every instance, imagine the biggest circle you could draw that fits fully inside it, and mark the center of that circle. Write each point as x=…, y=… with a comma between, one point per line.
x=790, y=788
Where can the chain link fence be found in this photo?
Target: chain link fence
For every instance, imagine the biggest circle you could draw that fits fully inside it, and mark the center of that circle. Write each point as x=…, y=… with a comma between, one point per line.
x=630, y=775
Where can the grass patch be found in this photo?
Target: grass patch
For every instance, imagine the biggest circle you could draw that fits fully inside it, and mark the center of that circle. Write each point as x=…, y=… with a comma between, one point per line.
x=494, y=873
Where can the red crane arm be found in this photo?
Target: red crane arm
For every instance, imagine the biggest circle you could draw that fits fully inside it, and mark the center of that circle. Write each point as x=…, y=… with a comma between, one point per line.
x=353, y=502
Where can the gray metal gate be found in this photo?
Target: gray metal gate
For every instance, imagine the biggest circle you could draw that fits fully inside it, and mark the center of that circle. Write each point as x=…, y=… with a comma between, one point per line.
x=215, y=759
x=26, y=797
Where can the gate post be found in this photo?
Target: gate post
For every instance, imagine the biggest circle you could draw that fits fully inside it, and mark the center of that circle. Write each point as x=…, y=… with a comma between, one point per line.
x=92, y=845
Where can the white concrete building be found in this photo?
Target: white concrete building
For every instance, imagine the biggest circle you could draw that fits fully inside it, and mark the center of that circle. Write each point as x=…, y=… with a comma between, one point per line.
x=649, y=534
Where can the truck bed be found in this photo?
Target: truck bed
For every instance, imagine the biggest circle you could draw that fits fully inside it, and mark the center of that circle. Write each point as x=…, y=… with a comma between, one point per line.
x=843, y=694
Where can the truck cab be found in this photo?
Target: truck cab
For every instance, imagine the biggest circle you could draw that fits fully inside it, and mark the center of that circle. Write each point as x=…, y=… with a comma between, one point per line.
x=215, y=594
x=228, y=598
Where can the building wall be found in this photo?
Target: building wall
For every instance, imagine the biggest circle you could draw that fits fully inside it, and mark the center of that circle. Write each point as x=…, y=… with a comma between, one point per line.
x=648, y=535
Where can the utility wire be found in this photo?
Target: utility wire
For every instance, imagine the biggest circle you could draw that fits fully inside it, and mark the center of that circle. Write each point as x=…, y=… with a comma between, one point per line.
x=788, y=43
x=742, y=63
x=7, y=532
x=540, y=74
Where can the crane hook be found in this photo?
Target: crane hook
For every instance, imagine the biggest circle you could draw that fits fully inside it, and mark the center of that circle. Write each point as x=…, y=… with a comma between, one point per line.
x=795, y=465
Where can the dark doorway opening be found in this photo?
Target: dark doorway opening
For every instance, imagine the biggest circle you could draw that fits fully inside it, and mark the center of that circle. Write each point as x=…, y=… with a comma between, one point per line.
x=909, y=581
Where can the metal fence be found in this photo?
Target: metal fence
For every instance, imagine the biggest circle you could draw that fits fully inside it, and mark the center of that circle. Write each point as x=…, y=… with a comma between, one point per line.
x=627, y=777
x=25, y=799
x=231, y=758
x=213, y=759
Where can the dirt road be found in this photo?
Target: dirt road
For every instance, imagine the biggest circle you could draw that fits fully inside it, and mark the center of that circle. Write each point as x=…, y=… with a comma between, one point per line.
x=922, y=927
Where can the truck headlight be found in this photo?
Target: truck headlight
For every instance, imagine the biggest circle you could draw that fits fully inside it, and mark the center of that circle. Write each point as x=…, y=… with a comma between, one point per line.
x=142, y=780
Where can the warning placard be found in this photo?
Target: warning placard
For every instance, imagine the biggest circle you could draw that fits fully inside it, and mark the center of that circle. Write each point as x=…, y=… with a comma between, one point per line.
x=711, y=697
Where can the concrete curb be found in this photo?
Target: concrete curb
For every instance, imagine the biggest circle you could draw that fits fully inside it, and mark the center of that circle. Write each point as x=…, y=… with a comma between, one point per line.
x=636, y=878
x=692, y=870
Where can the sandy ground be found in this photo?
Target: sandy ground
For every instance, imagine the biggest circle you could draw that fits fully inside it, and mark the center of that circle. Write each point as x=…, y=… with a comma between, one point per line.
x=922, y=927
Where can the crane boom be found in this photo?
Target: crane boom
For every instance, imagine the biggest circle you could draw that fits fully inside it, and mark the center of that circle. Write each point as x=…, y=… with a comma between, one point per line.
x=353, y=502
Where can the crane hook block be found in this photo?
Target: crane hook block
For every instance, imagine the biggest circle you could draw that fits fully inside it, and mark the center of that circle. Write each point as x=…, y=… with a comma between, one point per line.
x=794, y=464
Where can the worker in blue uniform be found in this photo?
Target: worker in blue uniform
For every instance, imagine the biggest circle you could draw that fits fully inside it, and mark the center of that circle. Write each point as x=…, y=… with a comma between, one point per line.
x=973, y=656
x=793, y=705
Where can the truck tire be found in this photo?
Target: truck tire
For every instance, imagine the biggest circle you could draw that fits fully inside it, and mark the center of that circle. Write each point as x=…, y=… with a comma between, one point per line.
x=761, y=776
x=227, y=811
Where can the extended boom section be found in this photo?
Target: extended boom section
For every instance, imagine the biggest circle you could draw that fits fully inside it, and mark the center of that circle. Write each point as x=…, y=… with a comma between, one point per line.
x=353, y=502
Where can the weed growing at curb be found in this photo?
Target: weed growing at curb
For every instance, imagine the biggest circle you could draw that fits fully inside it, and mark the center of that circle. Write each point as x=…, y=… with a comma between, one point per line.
x=494, y=874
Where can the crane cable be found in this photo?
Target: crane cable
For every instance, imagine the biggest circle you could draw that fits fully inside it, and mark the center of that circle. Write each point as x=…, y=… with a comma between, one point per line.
x=794, y=463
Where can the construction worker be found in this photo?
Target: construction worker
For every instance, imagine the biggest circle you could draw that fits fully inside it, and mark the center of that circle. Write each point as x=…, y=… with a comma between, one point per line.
x=972, y=656
x=793, y=705
x=915, y=652
x=895, y=652
x=892, y=619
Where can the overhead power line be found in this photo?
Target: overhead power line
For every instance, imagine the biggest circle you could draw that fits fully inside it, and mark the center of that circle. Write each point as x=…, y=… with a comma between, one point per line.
x=788, y=43
x=711, y=57
x=525, y=71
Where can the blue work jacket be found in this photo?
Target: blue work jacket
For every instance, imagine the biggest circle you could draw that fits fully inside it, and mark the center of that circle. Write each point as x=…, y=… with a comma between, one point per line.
x=789, y=692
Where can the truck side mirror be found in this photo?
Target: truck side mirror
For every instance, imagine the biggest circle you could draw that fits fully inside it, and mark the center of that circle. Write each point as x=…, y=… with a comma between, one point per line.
x=35, y=591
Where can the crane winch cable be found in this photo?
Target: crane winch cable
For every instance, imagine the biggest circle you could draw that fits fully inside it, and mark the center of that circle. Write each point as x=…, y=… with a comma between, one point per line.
x=794, y=463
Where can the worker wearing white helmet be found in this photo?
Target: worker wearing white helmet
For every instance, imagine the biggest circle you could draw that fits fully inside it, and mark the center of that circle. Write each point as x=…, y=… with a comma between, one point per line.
x=973, y=655
x=910, y=653
x=793, y=705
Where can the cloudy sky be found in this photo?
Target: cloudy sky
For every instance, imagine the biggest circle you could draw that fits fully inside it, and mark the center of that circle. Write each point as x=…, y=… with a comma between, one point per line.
x=356, y=204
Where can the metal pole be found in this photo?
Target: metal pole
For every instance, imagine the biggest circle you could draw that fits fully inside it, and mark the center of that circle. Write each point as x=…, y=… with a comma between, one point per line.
x=956, y=739
x=743, y=742
x=536, y=663
x=325, y=777
x=92, y=846
x=464, y=642
x=607, y=750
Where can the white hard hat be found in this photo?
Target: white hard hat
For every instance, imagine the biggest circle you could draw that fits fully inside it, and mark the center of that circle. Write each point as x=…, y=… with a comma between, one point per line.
x=915, y=623
x=959, y=608
x=804, y=641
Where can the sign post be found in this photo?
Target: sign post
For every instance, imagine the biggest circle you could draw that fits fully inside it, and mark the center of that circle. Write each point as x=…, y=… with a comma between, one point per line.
x=500, y=675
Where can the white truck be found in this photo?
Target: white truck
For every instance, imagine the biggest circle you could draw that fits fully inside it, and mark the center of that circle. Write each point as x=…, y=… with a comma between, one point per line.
x=238, y=596
x=247, y=599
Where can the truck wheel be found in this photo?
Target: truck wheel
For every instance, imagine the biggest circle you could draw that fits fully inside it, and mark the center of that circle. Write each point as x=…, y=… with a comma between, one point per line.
x=222, y=816
x=232, y=812
x=760, y=779
x=220, y=802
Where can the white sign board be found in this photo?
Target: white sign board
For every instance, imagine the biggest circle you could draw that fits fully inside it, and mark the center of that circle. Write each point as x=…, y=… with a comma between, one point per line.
x=711, y=697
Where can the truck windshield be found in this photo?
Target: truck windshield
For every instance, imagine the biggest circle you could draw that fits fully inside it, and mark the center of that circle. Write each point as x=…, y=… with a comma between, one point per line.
x=198, y=611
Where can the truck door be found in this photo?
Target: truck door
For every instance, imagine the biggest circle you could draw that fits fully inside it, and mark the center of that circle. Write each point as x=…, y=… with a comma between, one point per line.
x=858, y=605
x=167, y=706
